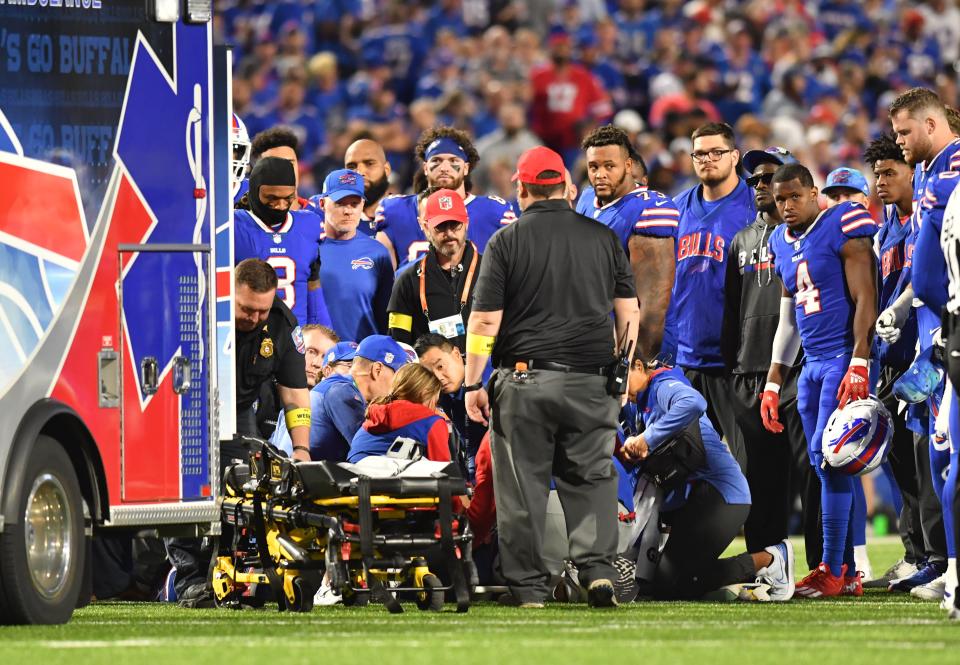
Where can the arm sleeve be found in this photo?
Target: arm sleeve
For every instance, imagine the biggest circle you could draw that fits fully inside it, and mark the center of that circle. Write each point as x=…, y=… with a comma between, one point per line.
x=786, y=339
x=438, y=441
x=624, y=286
x=491, y=282
x=345, y=410
x=681, y=405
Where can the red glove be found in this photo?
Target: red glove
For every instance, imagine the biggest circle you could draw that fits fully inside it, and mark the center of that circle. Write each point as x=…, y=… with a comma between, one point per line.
x=855, y=384
x=770, y=408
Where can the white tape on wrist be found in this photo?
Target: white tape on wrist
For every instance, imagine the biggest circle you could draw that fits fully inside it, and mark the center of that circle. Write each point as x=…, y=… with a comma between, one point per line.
x=859, y=362
x=772, y=387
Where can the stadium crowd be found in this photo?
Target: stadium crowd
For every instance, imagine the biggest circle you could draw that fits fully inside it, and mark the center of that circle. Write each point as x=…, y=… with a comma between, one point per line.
x=407, y=127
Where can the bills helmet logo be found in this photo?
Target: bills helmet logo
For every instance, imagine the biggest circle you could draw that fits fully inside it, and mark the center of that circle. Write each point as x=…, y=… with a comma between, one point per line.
x=364, y=262
x=841, y=176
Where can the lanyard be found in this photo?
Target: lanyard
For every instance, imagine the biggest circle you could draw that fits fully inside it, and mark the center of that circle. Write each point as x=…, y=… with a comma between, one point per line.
x=466, y=284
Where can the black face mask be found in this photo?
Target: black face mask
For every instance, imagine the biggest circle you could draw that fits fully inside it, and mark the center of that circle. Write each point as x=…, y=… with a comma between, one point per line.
x=376, y=190
x=270, y=171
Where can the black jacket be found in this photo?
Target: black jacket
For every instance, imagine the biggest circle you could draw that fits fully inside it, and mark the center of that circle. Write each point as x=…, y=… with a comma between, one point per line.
x=751, y=301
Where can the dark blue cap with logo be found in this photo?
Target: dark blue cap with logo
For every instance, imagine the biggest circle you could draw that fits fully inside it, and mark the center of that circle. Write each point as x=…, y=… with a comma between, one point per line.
x=339, y=353
x=342, y=183
x=772, y=155
x=383, y=349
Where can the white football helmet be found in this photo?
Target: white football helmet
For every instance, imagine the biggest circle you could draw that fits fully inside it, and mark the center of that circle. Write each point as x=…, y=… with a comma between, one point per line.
x=240, y=144
x=857, y=437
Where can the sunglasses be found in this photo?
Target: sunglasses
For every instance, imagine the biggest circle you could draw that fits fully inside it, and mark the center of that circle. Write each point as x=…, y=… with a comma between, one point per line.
x=755, y=180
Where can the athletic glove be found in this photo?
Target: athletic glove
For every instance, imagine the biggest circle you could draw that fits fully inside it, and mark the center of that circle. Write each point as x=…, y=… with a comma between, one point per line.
x=770, y=408
x=855, y=384
x=889, y=323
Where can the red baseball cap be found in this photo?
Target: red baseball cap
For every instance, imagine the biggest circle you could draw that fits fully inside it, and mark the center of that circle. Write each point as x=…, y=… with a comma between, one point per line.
x=534, y=162
x=445, y=205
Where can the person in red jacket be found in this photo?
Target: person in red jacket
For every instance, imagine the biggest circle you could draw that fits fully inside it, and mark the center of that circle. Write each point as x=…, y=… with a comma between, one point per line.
x=567, y=100
x=409, y=410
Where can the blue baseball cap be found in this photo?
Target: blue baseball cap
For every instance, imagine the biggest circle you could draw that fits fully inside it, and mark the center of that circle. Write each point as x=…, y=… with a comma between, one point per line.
x=340, y=352
x=383, y=349
x=342, y=183
x=772, y=155
x=846, y=178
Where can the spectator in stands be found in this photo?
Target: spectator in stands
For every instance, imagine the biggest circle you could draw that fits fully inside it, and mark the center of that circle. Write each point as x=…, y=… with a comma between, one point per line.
x=506, y=143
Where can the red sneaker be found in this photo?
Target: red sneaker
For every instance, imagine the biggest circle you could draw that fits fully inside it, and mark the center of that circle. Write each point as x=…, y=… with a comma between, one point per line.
x=852, y=585
x=821, y=583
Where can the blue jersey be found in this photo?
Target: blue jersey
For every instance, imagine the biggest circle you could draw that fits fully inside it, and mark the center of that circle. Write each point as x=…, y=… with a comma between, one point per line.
x=705, y=231
x=811, y=269
x=357, y=277
x=667, y=406
x=336, y=415
x=892, y=239
x=367, y=226
x=642, y=212
x=292, y=248
x=930, y=284
x=397, y=218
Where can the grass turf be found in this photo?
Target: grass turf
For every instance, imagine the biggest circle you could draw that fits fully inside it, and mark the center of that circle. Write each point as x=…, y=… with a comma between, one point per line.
x=880, y=627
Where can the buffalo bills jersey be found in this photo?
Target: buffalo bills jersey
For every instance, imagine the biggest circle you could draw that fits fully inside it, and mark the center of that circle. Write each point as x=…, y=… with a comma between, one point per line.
x=293, y=249
x=357, y=278
x=930, y=283
x=367, y=226
x=642, y=212
x=811, y=269
x=397, y=218
x=703, y=237
x=892, y=239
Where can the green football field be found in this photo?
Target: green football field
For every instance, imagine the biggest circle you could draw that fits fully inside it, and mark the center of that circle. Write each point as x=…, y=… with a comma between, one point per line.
x=880, y=627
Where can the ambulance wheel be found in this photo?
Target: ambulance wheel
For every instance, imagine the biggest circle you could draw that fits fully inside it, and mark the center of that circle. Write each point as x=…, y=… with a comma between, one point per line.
x=431, y=598
x=302, y=596
x=42, y=554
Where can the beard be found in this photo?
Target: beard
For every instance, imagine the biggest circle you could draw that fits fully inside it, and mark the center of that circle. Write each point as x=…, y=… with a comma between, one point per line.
x=714, y=178
x=448, y=249
x=375, y=190
x=614, y=188
x=456, y=179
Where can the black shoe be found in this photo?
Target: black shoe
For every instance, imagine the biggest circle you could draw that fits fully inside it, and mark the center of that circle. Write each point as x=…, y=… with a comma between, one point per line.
x=625, y=585
x=198, y=596
x=601, y=593
x=509, y=600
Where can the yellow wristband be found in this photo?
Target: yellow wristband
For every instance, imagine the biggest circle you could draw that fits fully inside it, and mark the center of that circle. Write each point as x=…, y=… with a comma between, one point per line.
x=481, y=345
x=400, y=321
x=297, y=418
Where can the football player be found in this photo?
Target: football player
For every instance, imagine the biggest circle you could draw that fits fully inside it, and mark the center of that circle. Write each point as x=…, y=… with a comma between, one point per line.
x=288, y=240
x=645, y=220
x=826, y=264
x=447, y=155
x=922, y=128
x=240, y=143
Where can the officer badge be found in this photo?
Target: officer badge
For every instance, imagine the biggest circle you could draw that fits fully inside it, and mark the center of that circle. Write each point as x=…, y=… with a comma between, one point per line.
x=277, y=238
x=266, y=347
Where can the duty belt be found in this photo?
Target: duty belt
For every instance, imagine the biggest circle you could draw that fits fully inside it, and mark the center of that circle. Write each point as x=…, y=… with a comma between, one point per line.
x=555, y=367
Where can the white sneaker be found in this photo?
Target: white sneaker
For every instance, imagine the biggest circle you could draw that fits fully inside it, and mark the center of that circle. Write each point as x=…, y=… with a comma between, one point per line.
x=933, y=590
x=326, y=596
x=862, y=561
x=779, y=574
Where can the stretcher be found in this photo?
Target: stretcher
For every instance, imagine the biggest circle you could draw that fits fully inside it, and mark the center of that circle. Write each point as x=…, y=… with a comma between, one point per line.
x=375, y=538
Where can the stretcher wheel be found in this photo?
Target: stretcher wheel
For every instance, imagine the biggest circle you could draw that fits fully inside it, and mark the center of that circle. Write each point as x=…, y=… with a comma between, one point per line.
x=431, y=598
x=302, y=596
x=352, y=598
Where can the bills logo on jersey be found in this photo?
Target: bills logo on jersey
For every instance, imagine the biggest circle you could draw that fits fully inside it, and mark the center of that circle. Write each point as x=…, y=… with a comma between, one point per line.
x=364, y=262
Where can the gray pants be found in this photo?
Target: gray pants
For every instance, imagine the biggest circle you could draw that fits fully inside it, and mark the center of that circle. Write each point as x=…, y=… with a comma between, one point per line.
x=564, y=426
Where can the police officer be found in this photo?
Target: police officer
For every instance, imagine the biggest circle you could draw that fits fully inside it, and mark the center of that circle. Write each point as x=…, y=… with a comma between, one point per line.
x=269, y=346
x=434, y=296
x=544, y=295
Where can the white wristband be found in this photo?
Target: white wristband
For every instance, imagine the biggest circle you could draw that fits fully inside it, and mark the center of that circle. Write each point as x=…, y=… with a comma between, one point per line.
x=772, y=387
x=859, y=362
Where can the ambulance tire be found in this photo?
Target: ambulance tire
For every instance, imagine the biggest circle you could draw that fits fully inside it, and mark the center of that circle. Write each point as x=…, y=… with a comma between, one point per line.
x=42, y=554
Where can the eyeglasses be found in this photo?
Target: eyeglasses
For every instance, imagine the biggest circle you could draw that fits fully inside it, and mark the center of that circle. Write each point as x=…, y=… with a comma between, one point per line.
x=709, y=155
x=755, y=180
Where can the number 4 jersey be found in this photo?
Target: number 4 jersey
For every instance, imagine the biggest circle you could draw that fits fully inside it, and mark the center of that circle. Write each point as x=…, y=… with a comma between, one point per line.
x=811, y=268
x=293, y=249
